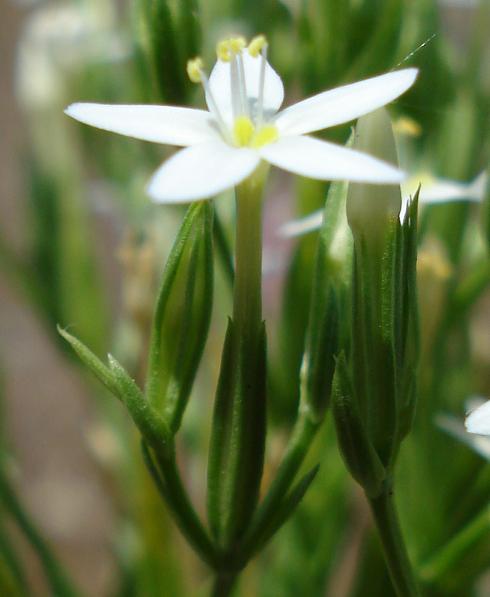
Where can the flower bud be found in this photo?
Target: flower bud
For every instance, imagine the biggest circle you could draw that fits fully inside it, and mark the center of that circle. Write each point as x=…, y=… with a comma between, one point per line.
x=370, y=207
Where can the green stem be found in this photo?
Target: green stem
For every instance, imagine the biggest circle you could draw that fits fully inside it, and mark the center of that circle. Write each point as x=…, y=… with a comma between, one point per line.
x=174, y=494
x=247, y=298
x=223, y=584
x=394, y=549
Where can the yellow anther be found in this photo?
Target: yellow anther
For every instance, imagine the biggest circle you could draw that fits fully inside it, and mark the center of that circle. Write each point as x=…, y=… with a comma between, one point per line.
x=237, y=44
x=194, y=69
x=243, y=131
x=267, y=134
x=256, y=46
x=227, y=48
x=223, y=50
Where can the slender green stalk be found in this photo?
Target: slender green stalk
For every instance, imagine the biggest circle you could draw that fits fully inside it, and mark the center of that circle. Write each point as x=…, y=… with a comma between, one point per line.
x=247, y=297
x=58, y=580
x=396, y=556
x=173, y=492
x=223, y=584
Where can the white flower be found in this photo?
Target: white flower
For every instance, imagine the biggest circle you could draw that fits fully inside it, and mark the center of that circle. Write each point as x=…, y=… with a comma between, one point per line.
x=242, y=126
x=478, y=421
x=433, y=190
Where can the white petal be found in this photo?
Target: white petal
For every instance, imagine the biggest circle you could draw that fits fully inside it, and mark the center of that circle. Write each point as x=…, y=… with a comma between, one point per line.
x=201, y=171
x=344, y=103
x=303, y=225
x=220, y=83
x=478, y=421
x=161, y=124
x=314, y=158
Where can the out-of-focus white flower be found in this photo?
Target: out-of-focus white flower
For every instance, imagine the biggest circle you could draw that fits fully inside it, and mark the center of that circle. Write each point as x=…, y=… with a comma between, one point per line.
x=433, y=190
x=478, y=420
x=57, y=38
x=242, y=126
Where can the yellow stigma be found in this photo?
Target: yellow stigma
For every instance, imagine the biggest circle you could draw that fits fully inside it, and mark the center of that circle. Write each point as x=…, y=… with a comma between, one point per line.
x=246, y=135
x=227, y=48
x=256, y=46
x=267, y=134
x=243, y=131
x=194, y=69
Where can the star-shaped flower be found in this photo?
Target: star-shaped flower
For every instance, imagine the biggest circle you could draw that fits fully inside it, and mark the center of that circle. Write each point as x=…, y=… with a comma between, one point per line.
x=242, y=126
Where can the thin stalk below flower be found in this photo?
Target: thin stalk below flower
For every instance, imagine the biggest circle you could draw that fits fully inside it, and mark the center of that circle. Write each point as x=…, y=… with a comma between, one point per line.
x=394, y=549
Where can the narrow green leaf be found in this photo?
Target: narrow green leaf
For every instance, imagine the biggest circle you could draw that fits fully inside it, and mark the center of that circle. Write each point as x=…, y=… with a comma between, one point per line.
x=284, y=511
x=357, y=451
x=94, y=364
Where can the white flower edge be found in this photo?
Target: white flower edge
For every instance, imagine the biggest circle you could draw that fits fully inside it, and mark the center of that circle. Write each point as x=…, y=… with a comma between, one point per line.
x=217, y=162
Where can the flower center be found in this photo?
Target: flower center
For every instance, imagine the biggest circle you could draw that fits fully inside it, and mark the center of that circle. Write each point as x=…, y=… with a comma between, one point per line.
x=248, y=130
x=246, y=134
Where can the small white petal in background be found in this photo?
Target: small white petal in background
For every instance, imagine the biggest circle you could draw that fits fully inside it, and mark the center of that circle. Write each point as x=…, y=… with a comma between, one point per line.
x=456, y=429
x=478, y=420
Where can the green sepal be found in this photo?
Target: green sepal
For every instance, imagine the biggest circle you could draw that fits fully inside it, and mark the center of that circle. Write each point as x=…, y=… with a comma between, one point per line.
x=93, y=363
x=150, y=423
x=323, y=325
x=237, y=445
x=407, y=327
x=182, y=316
x=357, y=450
x=283, y=513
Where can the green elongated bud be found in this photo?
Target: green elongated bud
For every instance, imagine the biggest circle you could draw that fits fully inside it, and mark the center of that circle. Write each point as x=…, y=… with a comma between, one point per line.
x=182, y=316
x=150, y=423
x=356, y=448
x=323, y=326
x=238, y=436
x=370, y=207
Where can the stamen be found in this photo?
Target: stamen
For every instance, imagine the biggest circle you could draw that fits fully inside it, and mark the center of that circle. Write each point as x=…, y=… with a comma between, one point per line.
x=195, y=70
x=256, y=46
x=260, y=100
x=243, y=84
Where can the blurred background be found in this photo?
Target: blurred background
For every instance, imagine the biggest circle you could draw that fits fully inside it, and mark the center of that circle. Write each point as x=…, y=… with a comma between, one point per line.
x=81, y=246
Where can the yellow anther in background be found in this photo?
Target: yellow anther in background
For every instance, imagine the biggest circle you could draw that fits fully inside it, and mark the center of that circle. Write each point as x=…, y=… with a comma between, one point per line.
x=267, y=134
x=407, y=126
x=243, y=131
x=194, y=69
x=256, y=46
